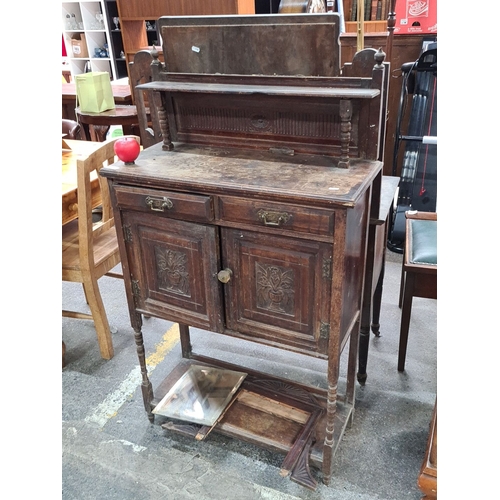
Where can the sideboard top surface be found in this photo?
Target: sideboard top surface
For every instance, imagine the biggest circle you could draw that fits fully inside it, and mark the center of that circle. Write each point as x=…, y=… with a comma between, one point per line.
x=255, y=173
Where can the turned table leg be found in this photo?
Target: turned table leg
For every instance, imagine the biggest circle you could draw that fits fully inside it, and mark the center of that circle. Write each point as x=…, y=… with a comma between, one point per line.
x=331, y=410
x=146, y=387
x=377, y=302
x=185, y=338
x=366, y=306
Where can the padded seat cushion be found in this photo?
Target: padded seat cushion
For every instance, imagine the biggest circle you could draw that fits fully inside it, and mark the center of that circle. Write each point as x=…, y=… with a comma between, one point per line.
x=423, y=242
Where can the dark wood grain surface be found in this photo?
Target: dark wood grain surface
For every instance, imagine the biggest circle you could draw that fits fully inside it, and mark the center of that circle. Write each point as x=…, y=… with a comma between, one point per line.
x=251, y=218
x=255, y=173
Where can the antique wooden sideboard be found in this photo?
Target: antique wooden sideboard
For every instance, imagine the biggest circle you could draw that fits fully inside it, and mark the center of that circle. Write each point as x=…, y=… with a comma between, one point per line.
x=251, y=217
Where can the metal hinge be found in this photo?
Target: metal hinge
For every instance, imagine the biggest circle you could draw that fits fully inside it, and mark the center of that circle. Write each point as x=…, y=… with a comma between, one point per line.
x=324, y=330
x=127, y=234
x=136, y=290
x=327, y=268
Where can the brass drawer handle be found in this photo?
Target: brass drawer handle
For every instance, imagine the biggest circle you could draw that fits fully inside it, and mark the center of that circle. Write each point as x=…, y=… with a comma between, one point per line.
x=273, y=218
x=159, y=204
x=225, y=275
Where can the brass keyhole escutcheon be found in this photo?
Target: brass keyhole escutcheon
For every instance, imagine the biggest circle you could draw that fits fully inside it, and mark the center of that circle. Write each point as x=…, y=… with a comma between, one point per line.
x=225, y=275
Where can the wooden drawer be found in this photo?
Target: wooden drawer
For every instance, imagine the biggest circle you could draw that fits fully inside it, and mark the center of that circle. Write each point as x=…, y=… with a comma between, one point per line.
x=166, y=203
x=276, y=215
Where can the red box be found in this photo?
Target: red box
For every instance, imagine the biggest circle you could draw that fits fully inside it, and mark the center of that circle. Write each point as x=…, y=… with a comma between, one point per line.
x=416, y=17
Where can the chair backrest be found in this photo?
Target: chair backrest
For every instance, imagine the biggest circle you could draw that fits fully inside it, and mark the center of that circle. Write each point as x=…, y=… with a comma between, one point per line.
x=140, y=72
x=87, y=168
x=362, y=65
x=71, y=128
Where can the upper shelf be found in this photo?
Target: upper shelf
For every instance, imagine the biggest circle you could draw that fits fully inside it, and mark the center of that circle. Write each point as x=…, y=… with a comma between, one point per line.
x=272, y=90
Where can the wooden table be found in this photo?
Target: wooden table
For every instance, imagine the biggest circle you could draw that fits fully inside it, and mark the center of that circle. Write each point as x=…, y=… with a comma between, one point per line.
x=95, y=126
x=121, y=93
x=78, y=149
x=374, y=276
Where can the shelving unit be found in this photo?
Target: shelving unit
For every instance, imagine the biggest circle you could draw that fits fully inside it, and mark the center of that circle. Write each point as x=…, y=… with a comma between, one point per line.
x=152, y=34
x=375, y=15
x=375, y=12
x=80, y=21
x=115, y=31
x=266, y=6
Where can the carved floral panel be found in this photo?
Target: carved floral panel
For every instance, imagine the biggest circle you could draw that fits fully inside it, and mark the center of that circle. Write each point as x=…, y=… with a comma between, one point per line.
x=171, y=267
x=275, y=288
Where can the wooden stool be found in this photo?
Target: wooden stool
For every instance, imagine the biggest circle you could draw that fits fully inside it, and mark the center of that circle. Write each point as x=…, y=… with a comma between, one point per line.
x=124, y=115
x=419, y=272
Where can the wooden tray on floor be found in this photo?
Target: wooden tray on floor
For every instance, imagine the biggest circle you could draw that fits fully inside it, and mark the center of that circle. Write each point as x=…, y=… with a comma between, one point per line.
x=269, y=413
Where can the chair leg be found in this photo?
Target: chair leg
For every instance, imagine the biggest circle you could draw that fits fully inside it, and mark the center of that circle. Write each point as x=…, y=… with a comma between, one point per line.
x=100, y=318
x=402, y=287
x=85, y=293
x=405, y=319
x=402, y=282
x=401, y=290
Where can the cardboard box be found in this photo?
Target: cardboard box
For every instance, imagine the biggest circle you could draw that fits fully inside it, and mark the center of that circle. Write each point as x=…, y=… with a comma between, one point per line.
x=79, y=45
x=416, y=17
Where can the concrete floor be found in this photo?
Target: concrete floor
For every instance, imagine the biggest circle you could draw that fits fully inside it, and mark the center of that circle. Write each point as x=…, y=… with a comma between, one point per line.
x=111, y=451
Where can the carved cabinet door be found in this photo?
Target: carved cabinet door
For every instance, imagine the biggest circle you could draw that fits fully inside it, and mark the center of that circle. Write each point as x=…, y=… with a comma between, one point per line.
x=279, y=289
x=173, y=269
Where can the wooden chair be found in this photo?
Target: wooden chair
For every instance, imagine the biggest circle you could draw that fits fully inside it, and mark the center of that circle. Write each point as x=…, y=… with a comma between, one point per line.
x=140, y=72
x=419, y=271
x=90, y=251
x=71, y=129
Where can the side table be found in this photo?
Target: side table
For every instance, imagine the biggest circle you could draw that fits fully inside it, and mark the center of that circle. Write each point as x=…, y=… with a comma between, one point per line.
x=374, y=277
x=95, y=126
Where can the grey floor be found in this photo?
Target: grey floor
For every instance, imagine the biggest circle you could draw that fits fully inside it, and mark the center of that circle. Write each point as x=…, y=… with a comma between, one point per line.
x=111, y=451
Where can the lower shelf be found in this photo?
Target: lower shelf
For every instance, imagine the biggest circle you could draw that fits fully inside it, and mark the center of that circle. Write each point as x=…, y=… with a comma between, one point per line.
x=273, y=414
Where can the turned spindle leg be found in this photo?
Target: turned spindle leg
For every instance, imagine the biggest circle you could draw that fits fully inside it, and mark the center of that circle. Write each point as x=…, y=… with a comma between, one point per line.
x=377, y=303
x=146, y=387
x=331, y=410
x=345, y=132
x=164, y=128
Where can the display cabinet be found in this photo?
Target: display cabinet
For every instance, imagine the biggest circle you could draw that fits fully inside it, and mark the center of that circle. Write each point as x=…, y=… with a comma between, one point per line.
x=250, y=219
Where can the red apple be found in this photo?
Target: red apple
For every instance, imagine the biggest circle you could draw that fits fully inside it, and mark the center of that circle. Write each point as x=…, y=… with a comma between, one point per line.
x=127, y=149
